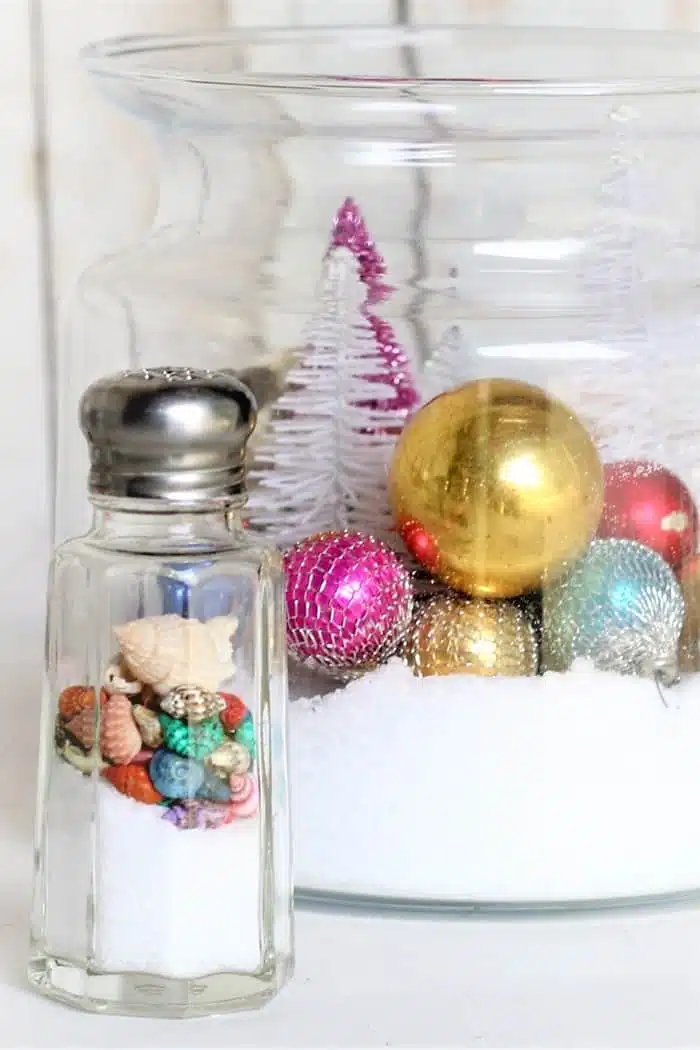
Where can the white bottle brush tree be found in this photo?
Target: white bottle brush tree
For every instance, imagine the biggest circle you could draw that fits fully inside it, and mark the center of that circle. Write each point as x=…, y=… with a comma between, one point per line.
x=619, y=394
x=323, y=462
x=451, y=365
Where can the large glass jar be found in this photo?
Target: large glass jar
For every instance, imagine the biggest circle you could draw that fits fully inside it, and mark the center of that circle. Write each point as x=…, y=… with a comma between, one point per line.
x=534, y=197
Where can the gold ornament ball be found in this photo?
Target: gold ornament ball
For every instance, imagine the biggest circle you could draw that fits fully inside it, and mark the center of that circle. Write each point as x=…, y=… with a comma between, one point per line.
x=455, y=635
x=494, y=486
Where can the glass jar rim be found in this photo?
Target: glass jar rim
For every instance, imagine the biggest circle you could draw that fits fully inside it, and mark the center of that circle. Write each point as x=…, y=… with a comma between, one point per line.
x=597, y=62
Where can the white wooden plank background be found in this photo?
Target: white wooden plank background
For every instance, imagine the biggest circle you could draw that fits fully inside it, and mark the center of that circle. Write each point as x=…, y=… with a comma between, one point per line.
x=101, y=190
x=23, y=431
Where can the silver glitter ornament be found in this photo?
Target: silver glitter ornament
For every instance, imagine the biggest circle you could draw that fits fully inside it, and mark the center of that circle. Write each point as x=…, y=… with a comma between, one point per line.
x=619, y=606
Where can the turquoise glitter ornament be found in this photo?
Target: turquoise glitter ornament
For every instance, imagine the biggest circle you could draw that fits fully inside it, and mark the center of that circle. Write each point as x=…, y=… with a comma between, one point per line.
x=245, y=734
x=193, y=741
x=618, y=606
x=175, y=776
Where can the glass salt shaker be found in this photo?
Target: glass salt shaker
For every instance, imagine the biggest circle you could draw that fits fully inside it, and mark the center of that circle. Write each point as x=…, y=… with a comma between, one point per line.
x=162, y=860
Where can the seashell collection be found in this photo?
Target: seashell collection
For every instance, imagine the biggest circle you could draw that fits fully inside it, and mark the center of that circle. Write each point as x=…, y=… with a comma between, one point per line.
x=162, y=733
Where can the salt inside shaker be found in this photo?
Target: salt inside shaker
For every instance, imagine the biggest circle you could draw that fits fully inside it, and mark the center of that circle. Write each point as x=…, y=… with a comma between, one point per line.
x=162, y=879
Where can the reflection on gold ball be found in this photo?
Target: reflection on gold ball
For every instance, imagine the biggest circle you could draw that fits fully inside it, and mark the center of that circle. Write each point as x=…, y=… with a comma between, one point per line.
x=501, y=483
x=689, y=649
x=453, y=635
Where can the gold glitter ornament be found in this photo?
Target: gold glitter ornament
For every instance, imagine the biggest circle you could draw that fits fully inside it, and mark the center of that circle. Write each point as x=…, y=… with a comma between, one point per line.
x=500, y=483
x=455, y=635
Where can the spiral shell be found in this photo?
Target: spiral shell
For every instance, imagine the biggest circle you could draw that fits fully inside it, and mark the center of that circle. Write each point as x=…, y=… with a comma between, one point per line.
x=120, y=739
x=241, y=787
x=245, y=734
x=230, y=758
x=176, y=776
x=169, y=651
x=189, y=815
x=133, y=781
x=192, y=703
x=59, y=733
x=86, y=764
x=118, y=679
x=143, y=758
x=82, y=728
x=233, y=713
x=213, y=788
x=74, y=699
x=149, y=726
x=245, y=797
x=193, y=741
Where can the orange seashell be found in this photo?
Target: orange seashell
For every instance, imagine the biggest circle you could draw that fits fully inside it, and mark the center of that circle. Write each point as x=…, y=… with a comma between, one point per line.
x=74, y=699
x=82, y=728
x=134, y=782
x=120, y=740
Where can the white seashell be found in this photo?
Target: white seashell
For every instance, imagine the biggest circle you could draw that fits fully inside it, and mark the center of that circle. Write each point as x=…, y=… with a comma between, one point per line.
x=149, y=726
x=84, y=763
x=150, y=646
x=230, y=758
x=168, y=651
x=118, y=680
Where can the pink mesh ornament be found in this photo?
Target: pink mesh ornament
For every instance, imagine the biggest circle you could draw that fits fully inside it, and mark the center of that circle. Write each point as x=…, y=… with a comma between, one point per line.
x=349, y=602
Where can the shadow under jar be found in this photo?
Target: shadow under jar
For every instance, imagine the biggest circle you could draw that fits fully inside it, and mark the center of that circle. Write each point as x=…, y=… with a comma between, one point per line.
x=533, y=194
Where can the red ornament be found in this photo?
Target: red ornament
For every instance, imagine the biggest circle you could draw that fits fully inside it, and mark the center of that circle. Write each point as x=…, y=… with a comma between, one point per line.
x=647, y=503
x=234, y=712
x=420, y=544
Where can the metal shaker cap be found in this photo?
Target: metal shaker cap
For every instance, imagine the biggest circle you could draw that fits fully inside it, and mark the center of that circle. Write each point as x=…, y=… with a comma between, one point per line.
x=172, y=434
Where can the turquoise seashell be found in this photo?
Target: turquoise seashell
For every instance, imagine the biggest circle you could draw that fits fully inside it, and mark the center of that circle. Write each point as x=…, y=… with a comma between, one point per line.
x=214, y=789
x=245, y=734
x=176, y=776
x=193, y=741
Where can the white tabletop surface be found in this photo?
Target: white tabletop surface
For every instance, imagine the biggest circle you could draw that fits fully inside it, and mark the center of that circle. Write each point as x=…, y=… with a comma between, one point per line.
x=628, y=980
